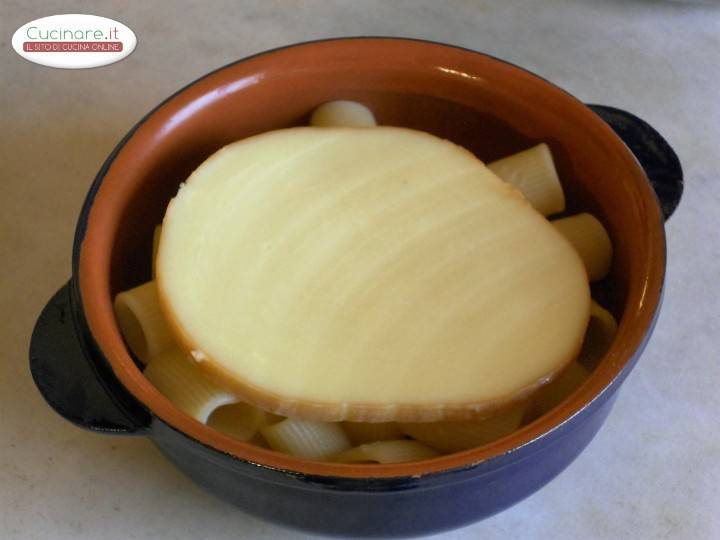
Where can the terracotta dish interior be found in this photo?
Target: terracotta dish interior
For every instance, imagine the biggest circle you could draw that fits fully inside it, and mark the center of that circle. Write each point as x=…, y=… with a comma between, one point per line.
x=484, y=104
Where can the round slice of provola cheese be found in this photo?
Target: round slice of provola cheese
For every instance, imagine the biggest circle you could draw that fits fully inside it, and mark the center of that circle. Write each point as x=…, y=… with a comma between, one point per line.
x=369, y=275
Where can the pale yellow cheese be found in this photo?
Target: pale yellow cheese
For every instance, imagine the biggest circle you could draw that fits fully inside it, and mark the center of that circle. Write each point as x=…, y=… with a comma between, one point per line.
x=368, y=275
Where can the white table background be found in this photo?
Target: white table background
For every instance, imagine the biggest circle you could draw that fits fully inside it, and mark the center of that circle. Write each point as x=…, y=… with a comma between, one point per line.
x=652, y=472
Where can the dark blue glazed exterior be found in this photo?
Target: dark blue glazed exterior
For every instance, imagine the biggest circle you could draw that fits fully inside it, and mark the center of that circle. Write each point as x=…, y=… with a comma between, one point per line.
x=387, y=507
x=378, y=507
x=78, y=382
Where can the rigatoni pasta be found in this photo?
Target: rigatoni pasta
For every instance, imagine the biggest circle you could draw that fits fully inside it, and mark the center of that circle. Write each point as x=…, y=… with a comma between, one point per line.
x=533, y=173
x=141, y=321
x=241, y=421
x=342, y=114
x=590, y=240
x=306, y=439
x=175, y=374
x=387, y=451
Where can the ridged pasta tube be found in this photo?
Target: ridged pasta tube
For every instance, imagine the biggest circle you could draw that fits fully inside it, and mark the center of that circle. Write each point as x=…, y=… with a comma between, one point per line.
x=175, y=374
x=306, y=439
x=141, y=321
x=342, y=114
x=391, y=451
x=533, y=173
x=590, y=240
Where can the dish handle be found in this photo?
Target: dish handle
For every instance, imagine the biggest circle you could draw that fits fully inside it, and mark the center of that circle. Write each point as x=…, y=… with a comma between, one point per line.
x=655, y=155
x=79, y=389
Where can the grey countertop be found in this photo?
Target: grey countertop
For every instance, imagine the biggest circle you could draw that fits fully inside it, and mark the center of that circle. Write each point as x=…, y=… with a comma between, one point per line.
x=654, y=469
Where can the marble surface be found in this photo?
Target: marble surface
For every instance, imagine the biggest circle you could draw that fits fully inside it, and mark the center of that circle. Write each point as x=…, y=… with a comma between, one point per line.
x=652, y=472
